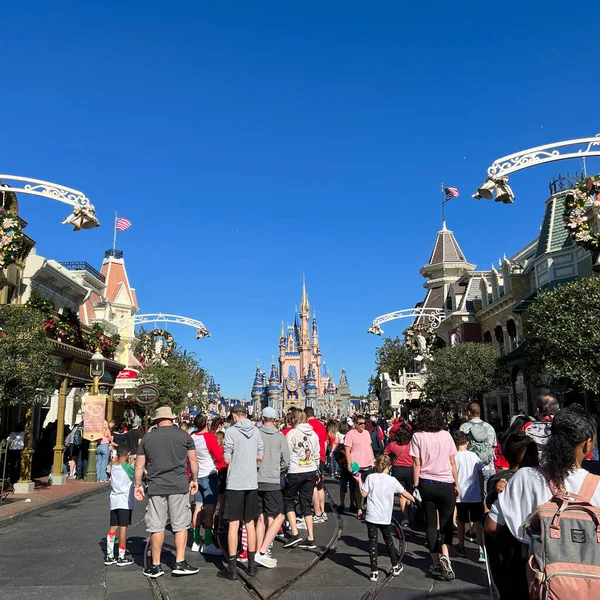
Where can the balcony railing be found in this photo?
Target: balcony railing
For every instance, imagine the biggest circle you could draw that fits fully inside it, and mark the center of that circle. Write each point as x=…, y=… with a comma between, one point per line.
x=83, y=266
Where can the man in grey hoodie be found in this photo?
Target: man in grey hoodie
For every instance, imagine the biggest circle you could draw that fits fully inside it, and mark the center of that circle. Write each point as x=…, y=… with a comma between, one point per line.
x=242, y=450
x=270, y=495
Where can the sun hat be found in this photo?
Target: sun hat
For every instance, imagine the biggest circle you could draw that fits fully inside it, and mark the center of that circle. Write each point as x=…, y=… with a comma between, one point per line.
x=269, y=413
x=164, y=412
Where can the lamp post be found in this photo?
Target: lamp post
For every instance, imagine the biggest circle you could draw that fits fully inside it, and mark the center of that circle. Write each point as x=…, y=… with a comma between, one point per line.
x=96, y=371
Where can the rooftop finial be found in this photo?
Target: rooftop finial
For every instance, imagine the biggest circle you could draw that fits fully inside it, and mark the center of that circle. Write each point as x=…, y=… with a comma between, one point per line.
x=304, y=307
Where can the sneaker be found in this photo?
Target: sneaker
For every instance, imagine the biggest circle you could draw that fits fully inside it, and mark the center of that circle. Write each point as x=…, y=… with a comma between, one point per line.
x=195, y=547
x=481, y=558
x=307, y=544
x=109, y=560
x=293, y=540
x=397, y=570
x=435, y=570
x=242, y=560
x=300, y=524
x=460, y=550
x=318, y=519
x=374, y=576
x=446, y=567
x=265, y=561
x=405, y=523
x=210, y=549
x=324, y=516
x=183, y=568
x=153, y=571
x=124, y=561
x=280, y=536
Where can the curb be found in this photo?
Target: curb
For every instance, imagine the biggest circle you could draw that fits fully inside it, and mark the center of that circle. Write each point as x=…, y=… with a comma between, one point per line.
x=58, y=503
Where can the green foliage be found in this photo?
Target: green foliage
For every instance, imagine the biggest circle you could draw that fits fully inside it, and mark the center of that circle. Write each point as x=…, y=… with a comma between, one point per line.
x=462, y=373
x=174, y=380
x=26, y=363
x=391, y=357
x=562, y=333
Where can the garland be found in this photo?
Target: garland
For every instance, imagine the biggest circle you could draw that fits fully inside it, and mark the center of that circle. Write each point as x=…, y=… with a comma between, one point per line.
x=146, y=353
x=12, y=239
x=576, y=221
x=66, y=327
x=411, y=339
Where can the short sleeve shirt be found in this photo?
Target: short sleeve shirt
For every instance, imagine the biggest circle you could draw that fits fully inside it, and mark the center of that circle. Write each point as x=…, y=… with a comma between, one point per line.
x=434, y=451
x=166, y=449
x=361, y=450
x=381, y=489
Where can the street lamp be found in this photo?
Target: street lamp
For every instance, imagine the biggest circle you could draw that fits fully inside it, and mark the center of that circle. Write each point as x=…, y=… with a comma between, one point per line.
x=96, y=371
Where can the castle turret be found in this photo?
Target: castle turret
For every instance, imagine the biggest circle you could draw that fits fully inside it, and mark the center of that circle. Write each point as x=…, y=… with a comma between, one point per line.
x=310, y=388
x=273, y=389
x=257, y=389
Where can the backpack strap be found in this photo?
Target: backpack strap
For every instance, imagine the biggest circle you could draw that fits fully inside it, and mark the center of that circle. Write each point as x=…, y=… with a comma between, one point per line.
x=588, y=488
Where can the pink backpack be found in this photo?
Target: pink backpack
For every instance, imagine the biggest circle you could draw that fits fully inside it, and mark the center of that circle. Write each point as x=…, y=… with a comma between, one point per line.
x=565, y=534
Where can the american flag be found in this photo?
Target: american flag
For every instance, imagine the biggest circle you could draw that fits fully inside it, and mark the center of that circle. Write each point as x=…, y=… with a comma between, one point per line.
x=123, y=224
x=451, y=192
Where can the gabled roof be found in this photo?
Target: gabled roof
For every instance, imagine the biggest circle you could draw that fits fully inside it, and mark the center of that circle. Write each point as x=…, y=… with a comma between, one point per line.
x=553, y=235
x=117, y=282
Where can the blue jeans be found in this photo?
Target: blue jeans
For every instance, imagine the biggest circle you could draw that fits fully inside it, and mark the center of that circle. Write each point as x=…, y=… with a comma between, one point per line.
x=333, y=465
x=102, y=454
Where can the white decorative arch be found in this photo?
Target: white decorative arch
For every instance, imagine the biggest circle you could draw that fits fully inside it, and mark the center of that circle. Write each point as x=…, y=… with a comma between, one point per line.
x=201, y=330
x=84, y=214
x=497, y=180
x=434, y=317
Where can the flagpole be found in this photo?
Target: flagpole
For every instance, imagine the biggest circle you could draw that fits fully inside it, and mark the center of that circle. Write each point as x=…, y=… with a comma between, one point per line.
x=115, y=234
x=443, y=204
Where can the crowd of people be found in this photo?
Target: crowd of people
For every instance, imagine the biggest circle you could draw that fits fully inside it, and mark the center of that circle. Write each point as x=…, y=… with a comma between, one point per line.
x=256, y=482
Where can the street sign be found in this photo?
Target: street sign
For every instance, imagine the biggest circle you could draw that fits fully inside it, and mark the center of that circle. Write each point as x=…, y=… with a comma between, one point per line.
x=93, y=417
x=146, y=394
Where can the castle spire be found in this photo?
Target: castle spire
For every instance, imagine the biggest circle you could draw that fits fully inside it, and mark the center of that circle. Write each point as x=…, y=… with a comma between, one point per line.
x=304, y=307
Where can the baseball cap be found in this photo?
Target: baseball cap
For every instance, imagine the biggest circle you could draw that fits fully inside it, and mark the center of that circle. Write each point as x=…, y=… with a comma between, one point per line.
x=269, y=413
x=239, y=408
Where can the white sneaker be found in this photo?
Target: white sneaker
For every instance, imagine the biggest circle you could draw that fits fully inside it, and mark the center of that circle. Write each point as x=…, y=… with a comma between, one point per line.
x=300, y=524
x=195, y=547
x=324, y=516
x=265, y=561
x=210, y=549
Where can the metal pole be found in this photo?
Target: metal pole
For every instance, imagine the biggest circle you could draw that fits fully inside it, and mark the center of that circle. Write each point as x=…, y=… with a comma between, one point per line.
x=90, y=474
x=115, y=233
x=59, y=449
x=443, y=204
x=147, y=413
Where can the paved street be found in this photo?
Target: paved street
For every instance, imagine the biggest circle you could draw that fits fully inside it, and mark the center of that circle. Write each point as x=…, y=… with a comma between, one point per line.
x=59, y=554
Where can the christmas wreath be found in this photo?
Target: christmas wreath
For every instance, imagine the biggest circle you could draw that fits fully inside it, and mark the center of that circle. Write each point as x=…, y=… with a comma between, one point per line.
x=147, y=350
x=12, y=240
x=411, y=334
x=577, y=202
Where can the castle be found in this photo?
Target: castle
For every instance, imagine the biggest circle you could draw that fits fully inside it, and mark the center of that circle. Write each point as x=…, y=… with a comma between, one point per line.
x=301, y=378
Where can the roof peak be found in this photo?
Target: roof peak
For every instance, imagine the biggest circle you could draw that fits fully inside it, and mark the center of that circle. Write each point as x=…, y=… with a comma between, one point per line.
x=446, y=248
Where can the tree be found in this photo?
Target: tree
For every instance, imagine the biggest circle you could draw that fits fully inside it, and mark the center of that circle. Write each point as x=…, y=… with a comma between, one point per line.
x=27, y=369
x=562, y=333
x=463, y=373
x=181, y=374
x=393, y=356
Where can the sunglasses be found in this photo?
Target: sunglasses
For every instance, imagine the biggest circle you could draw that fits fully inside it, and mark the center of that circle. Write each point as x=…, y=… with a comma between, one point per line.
x=361, y=423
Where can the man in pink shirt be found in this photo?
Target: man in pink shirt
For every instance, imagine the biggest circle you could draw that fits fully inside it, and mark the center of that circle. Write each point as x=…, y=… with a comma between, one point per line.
x=358, y=448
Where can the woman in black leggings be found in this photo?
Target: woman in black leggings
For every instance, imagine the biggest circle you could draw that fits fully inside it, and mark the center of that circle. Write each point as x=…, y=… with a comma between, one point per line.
x=436, y=479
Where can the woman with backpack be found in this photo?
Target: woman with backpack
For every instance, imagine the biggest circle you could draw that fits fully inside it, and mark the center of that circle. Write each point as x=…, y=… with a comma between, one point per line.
x=570, y=553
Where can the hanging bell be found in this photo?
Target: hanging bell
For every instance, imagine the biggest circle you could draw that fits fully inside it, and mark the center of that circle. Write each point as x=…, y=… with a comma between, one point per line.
x=486, y=190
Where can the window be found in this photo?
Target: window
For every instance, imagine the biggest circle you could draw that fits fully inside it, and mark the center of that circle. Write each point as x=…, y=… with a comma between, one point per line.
x=487, y=337
x=511, y=329
x=541, y=273
x=563, y=267
x=499, y=335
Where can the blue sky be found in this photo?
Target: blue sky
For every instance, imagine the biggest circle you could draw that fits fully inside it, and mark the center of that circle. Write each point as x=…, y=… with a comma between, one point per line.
x=249, y=142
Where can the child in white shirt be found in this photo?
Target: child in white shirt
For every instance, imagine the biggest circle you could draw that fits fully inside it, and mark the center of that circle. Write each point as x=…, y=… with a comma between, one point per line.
x=121, y=506
x=379, y=489
x=469, y=505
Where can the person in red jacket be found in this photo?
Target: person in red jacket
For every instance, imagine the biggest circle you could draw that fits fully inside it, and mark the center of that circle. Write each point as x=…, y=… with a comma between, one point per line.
x=319, y=493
